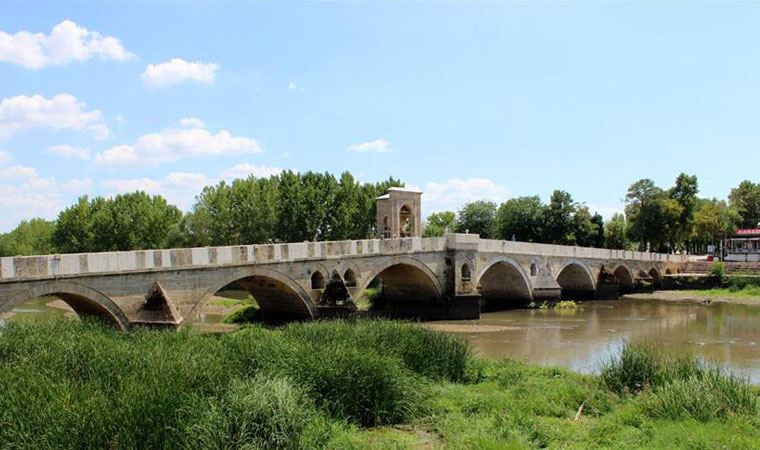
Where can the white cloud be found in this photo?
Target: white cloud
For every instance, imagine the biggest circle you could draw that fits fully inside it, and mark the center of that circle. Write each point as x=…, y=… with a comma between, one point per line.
x=376, y=146
x=172, y=144
x=27, y=195
x=292, y=86
x=18, y=173
x=243, y=170
x=176, y=70
x=60, y=112
x=66, y=42
x=179, y=188
x=192, y=122
x=5, y=157
x=70, y=151
x=453, y=193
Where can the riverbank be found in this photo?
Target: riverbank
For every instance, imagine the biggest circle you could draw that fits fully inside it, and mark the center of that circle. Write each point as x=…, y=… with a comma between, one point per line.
x=701, y=296
x=377, y=384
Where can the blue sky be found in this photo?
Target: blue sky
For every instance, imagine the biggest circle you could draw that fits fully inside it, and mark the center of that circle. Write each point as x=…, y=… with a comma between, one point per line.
x=463, y=101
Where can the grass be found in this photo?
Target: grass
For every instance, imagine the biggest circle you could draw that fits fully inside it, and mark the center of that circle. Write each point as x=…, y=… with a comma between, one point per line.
x=362, y=384
x=736, y=287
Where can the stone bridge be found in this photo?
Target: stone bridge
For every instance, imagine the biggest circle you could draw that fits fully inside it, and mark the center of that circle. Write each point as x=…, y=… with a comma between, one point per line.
x=451, y=277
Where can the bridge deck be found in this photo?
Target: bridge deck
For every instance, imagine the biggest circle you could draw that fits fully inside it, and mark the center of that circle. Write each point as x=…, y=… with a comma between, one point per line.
x=23, y=268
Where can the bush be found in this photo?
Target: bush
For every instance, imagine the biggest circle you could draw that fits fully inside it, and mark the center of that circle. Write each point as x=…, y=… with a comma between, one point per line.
x=718, y=271
x=713, y=395
x=262, y=412
x=641, y=367
x=246, y=314
x=425, y=352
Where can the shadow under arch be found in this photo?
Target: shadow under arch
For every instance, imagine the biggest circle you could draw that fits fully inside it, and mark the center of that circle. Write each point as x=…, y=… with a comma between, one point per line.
x=577, y=281
x=407, y=288
x=625, y=278
x=279, y=297
x=85, y=301
x=503, y=284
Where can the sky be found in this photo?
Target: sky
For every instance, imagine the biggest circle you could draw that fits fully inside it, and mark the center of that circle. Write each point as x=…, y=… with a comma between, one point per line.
x=463, y=101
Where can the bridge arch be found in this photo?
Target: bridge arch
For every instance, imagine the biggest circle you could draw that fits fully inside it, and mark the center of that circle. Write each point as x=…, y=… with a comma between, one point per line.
x=624, y=276
x=278, y=295
x=83, y=300
x=408, y=288
x=503, y=284
x=576, y=280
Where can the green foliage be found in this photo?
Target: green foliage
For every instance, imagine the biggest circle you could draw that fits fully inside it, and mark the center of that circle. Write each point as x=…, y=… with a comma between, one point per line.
x=615, y=233
x=319, y=385
x=477, y=217
x=745, y=199
x=521, y=217
x=713, y=219
x=246, y=314
x=718, y=270
x=33, y=237
x=653, y=216
x=124, y=222
x=439, y=223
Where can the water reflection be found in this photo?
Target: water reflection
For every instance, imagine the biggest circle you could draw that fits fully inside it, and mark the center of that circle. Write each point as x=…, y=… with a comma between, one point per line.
x=581, y=339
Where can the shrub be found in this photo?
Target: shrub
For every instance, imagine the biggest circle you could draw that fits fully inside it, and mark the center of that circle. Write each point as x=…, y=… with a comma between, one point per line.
x=713, y=395
x=246, y=314
x=262, y=412
x=718, y=271
x=641, y=366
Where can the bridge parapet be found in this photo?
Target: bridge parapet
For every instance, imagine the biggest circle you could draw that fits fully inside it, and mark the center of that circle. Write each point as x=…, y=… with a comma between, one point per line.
x=68, y=265
x=566, y=251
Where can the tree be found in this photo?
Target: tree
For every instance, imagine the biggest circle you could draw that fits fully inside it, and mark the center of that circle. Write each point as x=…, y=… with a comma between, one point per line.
x=125, y=222
x=558, y=219
x=745, y=199
x=33, y=237
x=684, y=192
x=438, y=224
x=653, y=217
x=615, y=236
x=585, y=229
x=713, y=220
x=477, y=217
x=598, y=240
x=521, y=217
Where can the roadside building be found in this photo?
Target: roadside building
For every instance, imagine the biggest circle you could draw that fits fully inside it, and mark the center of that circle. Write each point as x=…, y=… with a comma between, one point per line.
x=744, y=246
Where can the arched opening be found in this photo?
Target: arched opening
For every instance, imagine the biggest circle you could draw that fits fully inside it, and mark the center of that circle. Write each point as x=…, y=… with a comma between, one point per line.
x=533, y=270
x=64, y=299
x=266, y=297
x=625, y=279
x=668, y=271
x=317, y=280
x=576, y=282
x=466, y=275
x=386, y=228
x=406, y=222
x=657, y=279
x=405, y=290
x=503, y=286
x=350, y=278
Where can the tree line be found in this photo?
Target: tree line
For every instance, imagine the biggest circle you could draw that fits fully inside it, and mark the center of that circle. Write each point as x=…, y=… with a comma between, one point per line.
x=288, y=207
x=294, y=207
x=655, y=218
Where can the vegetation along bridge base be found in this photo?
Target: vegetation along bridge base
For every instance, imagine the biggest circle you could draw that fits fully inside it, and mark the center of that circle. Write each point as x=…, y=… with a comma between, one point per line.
x=452, y=277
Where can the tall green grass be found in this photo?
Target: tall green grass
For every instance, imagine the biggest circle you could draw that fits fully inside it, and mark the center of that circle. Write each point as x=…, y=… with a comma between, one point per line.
x=680, y=387
x=78, y=385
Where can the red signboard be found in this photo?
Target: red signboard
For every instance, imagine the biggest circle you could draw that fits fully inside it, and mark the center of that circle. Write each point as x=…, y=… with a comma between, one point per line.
x=748, y=231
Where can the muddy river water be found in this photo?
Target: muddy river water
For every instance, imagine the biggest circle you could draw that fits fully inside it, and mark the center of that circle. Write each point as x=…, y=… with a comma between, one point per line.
x=581, y=338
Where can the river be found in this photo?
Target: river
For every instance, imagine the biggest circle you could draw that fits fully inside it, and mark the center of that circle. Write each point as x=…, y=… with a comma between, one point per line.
x=582, y=338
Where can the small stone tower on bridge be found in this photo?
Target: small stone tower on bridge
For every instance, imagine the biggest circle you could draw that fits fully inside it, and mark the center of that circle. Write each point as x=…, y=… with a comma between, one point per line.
x=399, y=213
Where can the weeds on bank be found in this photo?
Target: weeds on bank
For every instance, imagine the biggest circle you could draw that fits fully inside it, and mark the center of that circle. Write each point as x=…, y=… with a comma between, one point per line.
x=361, y=384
